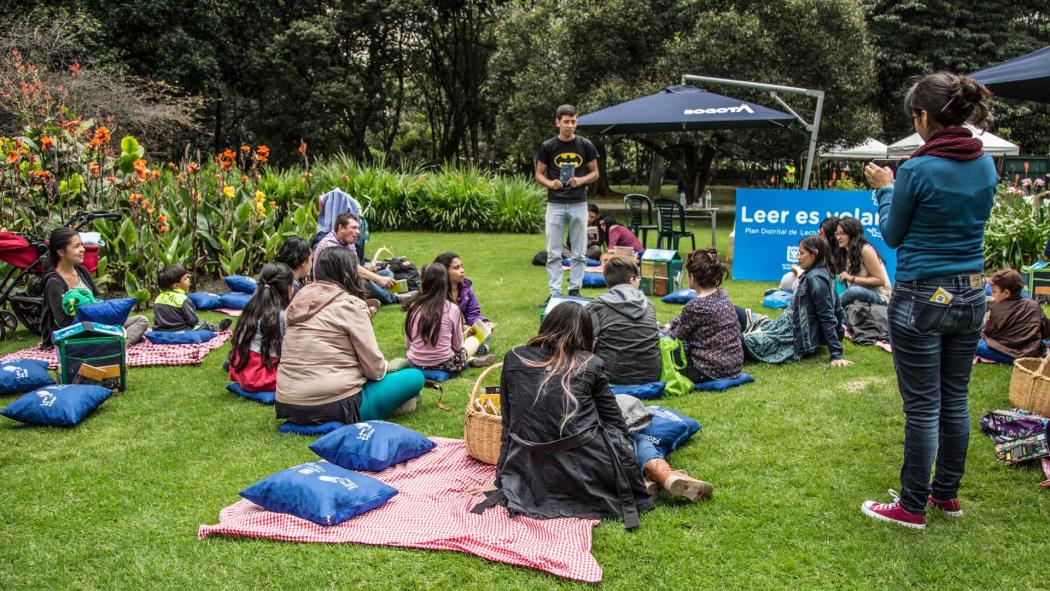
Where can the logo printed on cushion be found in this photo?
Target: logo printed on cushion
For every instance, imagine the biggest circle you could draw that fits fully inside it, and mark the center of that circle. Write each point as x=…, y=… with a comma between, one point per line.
x=46, y=398
x=665, y=414
x=20, y=373
x=311, y=468
x=346, y=482
x=364, y=431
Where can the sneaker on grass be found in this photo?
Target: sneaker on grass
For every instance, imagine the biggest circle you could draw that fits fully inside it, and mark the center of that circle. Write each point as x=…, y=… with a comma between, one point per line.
x=951, y=507
x=893, y=513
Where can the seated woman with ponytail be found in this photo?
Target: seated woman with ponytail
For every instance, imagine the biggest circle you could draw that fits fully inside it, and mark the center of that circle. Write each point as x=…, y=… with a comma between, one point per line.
x=566, y=450
x=331, y=367
x=257, y=338
x=66, y=272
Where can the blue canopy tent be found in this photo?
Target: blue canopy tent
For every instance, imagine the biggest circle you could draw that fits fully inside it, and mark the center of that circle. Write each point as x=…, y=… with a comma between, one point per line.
x=680, y=108
x=689, y=108
x=1026, y=77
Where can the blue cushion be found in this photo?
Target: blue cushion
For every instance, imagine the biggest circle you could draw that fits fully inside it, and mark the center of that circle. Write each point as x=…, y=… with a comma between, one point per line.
x=260, y=397
x=204, y=300
x=289, y=427
x=725, y=384
x=437, y=375
x=589, y=262
x=643, y=391
x=114, y=312
x=241, y=284
x=777, y=299
x=179, y=337
x=593, y=279
x=17, y=377
x=371, y=445
x=57, y=406
x=682, y=296
x=319, y=492
x=234, y=300
x=669, y=428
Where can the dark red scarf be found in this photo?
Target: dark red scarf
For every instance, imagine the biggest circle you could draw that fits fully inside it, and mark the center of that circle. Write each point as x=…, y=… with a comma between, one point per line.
x=954, y=143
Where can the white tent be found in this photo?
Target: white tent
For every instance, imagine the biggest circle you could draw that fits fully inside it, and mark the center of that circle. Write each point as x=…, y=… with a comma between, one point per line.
x=993, y=144
x=869, y=149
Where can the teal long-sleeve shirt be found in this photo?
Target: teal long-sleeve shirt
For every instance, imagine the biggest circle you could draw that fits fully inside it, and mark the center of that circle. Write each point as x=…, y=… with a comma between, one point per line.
x=934, y=215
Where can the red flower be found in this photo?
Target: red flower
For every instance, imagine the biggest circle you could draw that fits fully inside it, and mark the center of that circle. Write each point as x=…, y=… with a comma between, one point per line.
x=262, y=153
x=302, y=146
x=46, y=143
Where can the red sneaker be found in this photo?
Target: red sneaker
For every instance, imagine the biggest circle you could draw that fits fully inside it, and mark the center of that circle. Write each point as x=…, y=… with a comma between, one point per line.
x=893, y=513
x=951, y=507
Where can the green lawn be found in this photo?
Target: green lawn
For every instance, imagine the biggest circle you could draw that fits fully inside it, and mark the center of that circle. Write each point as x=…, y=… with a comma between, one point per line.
x=115, y=503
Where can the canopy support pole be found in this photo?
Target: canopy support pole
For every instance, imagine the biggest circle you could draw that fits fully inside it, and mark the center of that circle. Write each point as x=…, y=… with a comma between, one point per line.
x=773, y=89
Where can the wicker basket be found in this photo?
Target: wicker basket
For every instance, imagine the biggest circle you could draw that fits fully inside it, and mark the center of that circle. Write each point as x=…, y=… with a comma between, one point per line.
x=1030, y=387
x=482, y=431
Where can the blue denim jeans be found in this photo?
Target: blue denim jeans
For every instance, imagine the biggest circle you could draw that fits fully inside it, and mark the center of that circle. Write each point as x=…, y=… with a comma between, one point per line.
x=991, y=354
x=860, y=294
x=644, y=450
x=378, y=291
x=562, y=217
x=933, y=348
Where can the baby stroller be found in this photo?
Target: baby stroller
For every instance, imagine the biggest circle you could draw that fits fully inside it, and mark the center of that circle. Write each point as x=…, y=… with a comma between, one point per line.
x=21, y=289
x=335, y=202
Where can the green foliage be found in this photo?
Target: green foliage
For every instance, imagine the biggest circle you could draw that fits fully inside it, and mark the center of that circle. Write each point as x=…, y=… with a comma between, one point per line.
x=1015, y=234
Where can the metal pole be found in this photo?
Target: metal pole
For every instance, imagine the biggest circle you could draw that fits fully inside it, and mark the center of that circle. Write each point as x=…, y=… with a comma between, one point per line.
x=773, y=89
x=813, y=140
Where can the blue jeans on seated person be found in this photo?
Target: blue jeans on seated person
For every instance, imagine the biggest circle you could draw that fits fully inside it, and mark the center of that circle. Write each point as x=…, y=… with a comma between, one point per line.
x=644, y=450
x=378, y=291
x=933, y=349
x=986, y=352
x=860, y=294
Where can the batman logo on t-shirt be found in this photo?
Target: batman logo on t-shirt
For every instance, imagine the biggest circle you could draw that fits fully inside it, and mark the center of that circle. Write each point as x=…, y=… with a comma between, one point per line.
x=572, y=158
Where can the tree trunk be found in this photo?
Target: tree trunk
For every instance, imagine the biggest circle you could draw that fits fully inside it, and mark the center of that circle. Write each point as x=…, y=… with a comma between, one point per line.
x=656, y=176
x=707, y=158
x=217, y=143
x=601, y=188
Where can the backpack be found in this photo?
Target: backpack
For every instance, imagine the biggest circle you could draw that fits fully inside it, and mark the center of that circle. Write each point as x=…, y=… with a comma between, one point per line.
x=1018, y=435
x=672, y=359
x=402, y=269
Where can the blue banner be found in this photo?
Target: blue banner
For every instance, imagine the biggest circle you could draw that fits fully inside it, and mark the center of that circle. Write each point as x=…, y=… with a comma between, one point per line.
x=770, y=222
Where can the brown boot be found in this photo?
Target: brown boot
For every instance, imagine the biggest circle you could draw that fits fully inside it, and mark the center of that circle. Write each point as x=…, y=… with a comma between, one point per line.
x=677, y=483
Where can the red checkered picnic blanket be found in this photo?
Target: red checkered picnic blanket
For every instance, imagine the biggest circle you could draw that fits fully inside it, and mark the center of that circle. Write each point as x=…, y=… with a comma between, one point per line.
x=141, y=354
x=432, y=511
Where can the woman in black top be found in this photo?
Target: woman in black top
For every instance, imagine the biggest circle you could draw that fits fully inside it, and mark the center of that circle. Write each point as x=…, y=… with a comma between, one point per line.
x=65, y=260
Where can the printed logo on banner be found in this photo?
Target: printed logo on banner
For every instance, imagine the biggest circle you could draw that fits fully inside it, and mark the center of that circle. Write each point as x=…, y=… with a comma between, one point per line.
x=770, y=223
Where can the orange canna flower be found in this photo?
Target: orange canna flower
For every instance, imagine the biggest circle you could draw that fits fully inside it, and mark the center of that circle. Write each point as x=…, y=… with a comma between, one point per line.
x=12, y=157
x=46, y=143
x=74, y=69
x=111, y=179
x=246, y=149
x=156, y=173
x=346, y=178
x=94, y=169
x=262, y=153
x=171, y=166
x=163, y=229
x=151, y=210
x=162, y=218
x=302, y=146
x=244, y=178
x=226, y=159
x=134, y=198
x=192, y=168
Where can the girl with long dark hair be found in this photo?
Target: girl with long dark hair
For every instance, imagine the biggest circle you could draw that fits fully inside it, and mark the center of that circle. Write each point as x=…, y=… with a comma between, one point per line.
x=296, y=253
x=832, y=258
x=66, y=271
x=566, y=450
x=813, y=318
x=461, y=293
x=434, y=325
x=257, y=337
x=613, y=233
x=331, y=367
x=862, y=271
x=934, y=214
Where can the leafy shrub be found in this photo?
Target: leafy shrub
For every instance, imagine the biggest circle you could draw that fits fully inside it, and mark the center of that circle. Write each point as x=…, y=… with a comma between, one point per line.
x=1016, y=234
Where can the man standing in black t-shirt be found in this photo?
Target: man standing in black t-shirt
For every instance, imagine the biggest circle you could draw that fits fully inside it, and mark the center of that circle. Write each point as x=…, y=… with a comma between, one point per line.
x=564, y=164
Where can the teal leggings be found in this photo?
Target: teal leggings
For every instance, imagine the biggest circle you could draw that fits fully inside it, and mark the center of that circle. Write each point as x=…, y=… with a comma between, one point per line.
x=380, y=399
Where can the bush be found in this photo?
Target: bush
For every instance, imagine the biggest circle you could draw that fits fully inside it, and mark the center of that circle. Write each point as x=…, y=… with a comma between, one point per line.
x=1015, y=234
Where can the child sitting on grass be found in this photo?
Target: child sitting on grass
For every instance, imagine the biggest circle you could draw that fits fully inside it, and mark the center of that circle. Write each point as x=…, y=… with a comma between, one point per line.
x=461, y=293
x=1016, y=326
x=708, y=325
x=173, y=310
x=434, y=326
x=627, y=337
x=256, y=350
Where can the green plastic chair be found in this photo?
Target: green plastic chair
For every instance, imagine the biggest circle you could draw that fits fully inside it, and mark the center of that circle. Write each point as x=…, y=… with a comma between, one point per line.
x=670, y=214
x=639, y=215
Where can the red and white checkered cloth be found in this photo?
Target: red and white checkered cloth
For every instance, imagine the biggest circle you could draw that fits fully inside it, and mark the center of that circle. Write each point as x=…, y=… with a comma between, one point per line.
x=141, y=354
x=432, y=511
